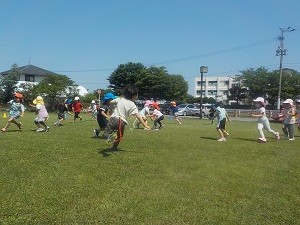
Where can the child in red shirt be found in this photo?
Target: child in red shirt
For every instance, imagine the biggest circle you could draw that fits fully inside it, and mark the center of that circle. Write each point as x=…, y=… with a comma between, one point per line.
x=77, y=107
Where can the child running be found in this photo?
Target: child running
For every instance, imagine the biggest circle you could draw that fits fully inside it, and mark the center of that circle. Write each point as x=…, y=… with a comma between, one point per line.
x=289, y=119
x=76, y=108
x=157, y=118
x=42, y=114
x=102, y=113
x=222, y=116
x=16, y=111
x=144, y=113
x=263, y=122
x=61, y=114
x=174, y=112
x=298, y=113
x=124, y=107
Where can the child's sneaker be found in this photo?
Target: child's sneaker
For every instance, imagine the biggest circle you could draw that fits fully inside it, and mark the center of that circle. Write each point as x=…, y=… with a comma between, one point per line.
x=3, y=130
x=111, y=139
x=262, y=140
x=277, y=136
x=40, y=130
x=96, y=133
x=80, y=118
x=292, y=139
x=47, y=129
x=222, y=139
x=20, y=126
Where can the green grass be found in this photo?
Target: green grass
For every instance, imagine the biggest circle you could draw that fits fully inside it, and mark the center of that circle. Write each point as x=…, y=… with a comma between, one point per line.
x=178, y=175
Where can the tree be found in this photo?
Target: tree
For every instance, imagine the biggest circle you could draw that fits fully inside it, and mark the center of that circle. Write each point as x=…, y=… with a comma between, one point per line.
x=261, y=82
x=129, y=73
x=153, y=82
x=237, y=93
x=8, y=84
x=54, y=87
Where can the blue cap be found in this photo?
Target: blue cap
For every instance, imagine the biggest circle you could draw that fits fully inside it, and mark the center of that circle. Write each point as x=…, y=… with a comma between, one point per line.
x=108, y=96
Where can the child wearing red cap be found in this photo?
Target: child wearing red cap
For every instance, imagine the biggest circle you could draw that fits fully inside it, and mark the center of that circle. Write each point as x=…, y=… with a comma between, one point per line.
x=16, y=111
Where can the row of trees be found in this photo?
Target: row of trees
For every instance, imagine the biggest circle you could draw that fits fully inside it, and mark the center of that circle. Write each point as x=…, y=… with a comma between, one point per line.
x=261, y=82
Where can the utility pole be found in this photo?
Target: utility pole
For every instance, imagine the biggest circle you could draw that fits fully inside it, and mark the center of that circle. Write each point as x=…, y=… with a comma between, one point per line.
x=281, y=51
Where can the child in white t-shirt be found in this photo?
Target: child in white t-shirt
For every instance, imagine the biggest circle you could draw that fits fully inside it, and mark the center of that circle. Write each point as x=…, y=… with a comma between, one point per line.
x=157, y=117
x=123, y=108
x=263, y=122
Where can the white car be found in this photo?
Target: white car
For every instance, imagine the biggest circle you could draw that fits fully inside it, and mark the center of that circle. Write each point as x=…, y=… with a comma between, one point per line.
x=185, y=109
x=205, y=110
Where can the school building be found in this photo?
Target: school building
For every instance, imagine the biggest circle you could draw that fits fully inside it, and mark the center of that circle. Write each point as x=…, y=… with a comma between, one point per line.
x=214, y=87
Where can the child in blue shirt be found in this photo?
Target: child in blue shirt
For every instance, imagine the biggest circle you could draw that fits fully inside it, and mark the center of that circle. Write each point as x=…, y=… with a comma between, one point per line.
x=16, y=111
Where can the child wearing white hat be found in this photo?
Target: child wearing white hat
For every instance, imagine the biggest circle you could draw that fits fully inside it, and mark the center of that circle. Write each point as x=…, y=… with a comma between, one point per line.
x=289, y=119
x=298, y=113
x=263, y=122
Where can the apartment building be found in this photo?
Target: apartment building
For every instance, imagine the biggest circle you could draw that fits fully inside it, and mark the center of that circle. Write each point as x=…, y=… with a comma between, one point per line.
x=214, y=87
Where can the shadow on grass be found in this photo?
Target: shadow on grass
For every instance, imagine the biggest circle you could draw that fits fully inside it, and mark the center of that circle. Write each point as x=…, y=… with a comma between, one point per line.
x=209, y=138
x=105, y=152
x=10, y=131
x=246, y=139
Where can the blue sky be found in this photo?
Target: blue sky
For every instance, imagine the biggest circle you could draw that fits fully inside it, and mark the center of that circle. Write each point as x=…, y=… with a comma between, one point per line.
x=87, y=39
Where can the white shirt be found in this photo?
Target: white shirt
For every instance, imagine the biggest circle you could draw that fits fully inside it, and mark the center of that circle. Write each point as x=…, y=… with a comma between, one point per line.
x=123, y=108
x=157, y=113
x=144, y=111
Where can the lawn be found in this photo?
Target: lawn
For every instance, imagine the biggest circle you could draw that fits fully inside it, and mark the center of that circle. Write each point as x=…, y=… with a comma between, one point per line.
x=177, y=175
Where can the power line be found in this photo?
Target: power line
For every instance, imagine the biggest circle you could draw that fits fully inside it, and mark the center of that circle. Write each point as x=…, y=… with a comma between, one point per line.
x=181, y=59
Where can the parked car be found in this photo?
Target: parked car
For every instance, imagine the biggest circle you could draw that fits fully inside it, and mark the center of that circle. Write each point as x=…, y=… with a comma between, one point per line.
x=165, y=108
x=205, y=110
x=185, y=109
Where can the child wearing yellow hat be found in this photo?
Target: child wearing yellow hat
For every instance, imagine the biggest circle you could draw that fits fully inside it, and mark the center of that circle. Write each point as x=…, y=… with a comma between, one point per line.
x=42, y=115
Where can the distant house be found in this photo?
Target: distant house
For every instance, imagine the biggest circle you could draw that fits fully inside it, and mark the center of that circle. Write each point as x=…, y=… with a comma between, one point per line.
x=30, y=73
x=33, y=75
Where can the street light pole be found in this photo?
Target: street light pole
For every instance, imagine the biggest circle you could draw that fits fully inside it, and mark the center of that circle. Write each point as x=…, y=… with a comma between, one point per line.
x=203, y=69
x=281, y=51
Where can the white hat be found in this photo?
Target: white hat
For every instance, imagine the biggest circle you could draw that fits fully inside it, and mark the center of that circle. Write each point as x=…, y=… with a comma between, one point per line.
x=76, y=98
x=93, y=101
x=288, y=101
x=259, y=99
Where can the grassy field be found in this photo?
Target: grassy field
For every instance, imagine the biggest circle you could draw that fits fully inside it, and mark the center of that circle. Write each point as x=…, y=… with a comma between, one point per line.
x=177, y=175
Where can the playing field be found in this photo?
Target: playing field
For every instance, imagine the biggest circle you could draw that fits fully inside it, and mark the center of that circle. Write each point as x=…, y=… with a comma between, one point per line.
x=177, y=175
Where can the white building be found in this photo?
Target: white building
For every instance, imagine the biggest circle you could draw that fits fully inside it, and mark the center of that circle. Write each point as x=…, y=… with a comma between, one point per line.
x=33, y=75
x=214, y=87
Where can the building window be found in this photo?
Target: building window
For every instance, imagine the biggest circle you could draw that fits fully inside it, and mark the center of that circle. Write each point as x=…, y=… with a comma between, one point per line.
x=199, y=92
x=199, y=83
x=212, y=83
x=30, y=78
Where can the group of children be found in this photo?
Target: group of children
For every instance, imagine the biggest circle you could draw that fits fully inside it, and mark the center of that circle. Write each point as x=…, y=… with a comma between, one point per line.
x=290, y=113
x=113, y=115
x=17, y=110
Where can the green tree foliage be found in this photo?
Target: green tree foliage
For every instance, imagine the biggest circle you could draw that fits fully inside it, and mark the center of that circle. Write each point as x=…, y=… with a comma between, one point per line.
x=153, y=82
x=8, y=84
x=263, y=83
x=53, y=87
x=237, y=93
